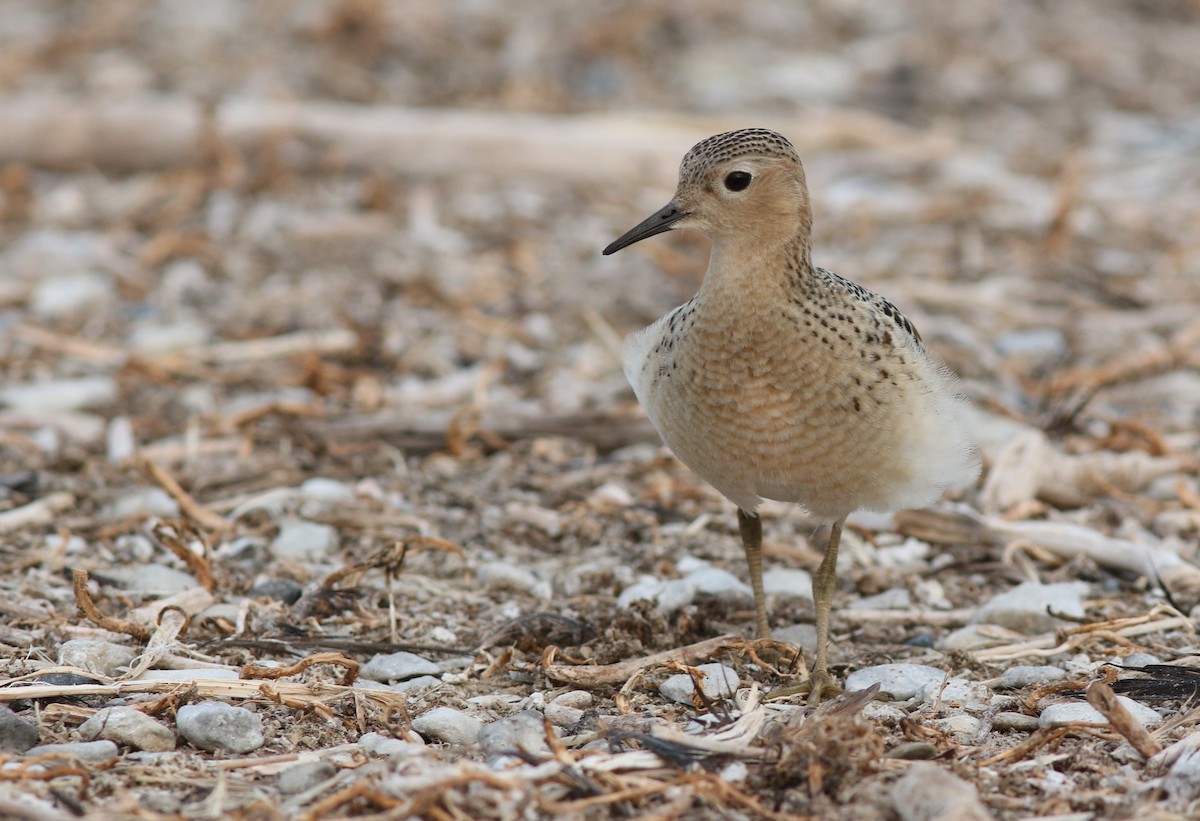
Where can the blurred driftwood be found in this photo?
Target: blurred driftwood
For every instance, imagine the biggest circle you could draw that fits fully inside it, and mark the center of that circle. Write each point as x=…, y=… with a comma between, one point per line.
x=148, y=133
x=606, y=431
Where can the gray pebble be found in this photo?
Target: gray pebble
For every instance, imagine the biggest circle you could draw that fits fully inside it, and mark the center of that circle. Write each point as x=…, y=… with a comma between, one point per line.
x=59, y=394
x=130, y=727
x=282, y=590
x=523, y=731
x=926, y=792
x=88, y=752
x=1065, y=712
x=153, y=579
x=1025, y=607
x=413, y=685
x=304, y=541
x=63, y=294
x=399, y=666
x=956, y=691
x=714, y=581
x=668, y=596
x=914, y=751
x=96, y=656
x=883, y=712
x=897, y=598
x=1139, y=660
x=719, y=682
x=448, y=725
x=801, y=635
x=1027, y=676
x=1014, y=721
x=579, y=699
x=381, y=745
x=144, y=501
x=505, y=576
x=302, y=776
x=16, y=734
x=968, y=637
x=787, y=581
x=961, y=725
x=900, y=681
x=563, y=716
x=219, y=727
x=321, y=489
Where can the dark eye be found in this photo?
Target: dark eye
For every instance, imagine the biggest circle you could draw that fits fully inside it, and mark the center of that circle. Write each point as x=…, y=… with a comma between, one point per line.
x=737, y=180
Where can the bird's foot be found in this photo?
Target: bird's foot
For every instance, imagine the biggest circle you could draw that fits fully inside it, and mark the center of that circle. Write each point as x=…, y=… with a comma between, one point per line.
x=779, y=657
x=820, y=685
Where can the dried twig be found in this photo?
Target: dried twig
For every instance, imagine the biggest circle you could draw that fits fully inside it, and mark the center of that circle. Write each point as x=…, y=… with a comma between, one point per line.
x=168, y=535
x=83, y=599
x=252, y=670
x=622, y=671
x=190, y=507
x=1102, y=697
x=36, y=514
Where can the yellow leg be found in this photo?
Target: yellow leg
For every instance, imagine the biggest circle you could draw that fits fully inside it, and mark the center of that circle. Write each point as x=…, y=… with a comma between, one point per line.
x=751, y=527
x=824, y=583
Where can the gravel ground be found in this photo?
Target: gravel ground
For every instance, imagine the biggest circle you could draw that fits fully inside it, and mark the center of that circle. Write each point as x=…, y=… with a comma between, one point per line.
x=318, y=477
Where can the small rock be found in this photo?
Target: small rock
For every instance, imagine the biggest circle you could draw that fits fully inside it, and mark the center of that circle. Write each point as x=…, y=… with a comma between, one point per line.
x=1026, y=676
x=322, y=495
x=900, y=681
x=579, y=699
x=380, y=745
x=413, y=685
x=1026, y=607
x=505, y=576
x=130, y=727
x=913, y=751
x=120, y=444
x=144, y=501
x=96, y=656
x=64, y=294
x=897, y=598
x=961, y=725
x=787, y=581
x=801, y=635
x=668, y=596
x=302, y=776
x=546, y=520
x=93, y=753
x=153, y=579
x=1008, y=720
x=563, y=716
x=448, y=725
x=1138, y=660
x=883, y=712
x=956, y=691
x=398, y=667
x=719, y=682
x=714, y=581
x=219, y=727
x=1065, y=712
x=281, y=590
x=523, y=731
x=928, y=793
x=969, y=637
x=16, y=734
x=65, y=679
x=304, y=541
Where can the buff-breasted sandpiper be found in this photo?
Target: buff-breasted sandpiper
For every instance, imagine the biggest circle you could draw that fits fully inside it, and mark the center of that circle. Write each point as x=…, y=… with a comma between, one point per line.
x=780, y=380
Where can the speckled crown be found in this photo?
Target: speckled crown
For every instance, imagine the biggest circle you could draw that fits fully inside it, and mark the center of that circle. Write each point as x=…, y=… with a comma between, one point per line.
x=730, y=145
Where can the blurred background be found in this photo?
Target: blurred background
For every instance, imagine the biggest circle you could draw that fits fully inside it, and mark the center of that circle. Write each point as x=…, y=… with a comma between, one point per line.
x=334, y=265
x=1020, y=177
